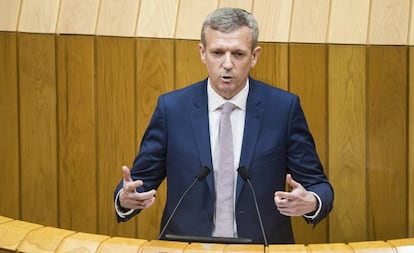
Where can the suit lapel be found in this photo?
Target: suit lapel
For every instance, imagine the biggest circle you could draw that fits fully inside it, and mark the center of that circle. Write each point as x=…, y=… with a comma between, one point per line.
x=200, y=123
x=253, y=122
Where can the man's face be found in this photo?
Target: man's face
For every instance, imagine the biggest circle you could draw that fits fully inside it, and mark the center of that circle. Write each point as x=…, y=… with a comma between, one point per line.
x=229, y=58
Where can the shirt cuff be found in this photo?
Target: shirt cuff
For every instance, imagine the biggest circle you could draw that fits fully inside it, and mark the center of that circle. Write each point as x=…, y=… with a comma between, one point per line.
x=318, y=210
x=118, y=207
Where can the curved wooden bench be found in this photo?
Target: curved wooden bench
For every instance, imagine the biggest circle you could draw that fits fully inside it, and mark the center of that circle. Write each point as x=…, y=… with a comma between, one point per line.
x=21, y=236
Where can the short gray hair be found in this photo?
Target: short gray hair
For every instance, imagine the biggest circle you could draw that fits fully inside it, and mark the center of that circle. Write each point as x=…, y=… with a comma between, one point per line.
x=228, y=20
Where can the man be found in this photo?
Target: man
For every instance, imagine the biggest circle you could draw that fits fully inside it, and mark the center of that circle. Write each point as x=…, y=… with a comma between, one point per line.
x=270, y=138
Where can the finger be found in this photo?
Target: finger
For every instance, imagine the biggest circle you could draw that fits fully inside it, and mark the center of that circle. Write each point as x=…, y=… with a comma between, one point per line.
x=132, y=186
x=292, y=183
x=126, y=174
x=283, y=195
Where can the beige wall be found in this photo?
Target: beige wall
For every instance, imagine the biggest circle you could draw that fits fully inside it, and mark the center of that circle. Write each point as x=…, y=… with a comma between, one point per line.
x=79, y=81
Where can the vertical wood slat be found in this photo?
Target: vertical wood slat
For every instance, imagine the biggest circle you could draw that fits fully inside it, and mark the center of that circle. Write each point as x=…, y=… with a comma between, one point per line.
x=389, y=22
x=38, y=137
x=411, y=145
x=77, y=132
x=9, y=14
x=191, y=15
x=152, y=80
x=157, y=18
x=117, y=18
x=309, y=21
x=307, y=76
x=272, y=66
x=38, y=18
x=349, y=21
x=115, y=100
x=243, y=4
x=77, y=17
x=347, y=145
x=273, y=18
x=387, y=142
x=9, y=134
x=188, y=65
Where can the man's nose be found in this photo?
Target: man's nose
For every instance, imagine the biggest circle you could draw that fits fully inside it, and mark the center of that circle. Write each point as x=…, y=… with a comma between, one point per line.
x=227, y=64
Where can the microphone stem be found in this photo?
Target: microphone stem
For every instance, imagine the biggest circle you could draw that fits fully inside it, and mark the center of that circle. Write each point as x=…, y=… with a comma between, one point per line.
x=266, y=244
x=176, y=207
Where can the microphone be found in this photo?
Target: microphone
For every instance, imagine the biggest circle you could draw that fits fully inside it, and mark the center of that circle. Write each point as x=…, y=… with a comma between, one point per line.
x=246, y=177
x=200, y=176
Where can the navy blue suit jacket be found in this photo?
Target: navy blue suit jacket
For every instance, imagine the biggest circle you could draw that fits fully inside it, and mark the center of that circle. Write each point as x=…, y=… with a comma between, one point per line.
x=276, y=141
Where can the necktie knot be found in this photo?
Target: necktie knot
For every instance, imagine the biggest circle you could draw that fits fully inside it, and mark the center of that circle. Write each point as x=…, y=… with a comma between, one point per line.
x=228, y=107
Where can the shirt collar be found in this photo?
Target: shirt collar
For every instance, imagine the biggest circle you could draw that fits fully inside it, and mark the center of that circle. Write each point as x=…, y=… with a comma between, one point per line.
x=215, y=101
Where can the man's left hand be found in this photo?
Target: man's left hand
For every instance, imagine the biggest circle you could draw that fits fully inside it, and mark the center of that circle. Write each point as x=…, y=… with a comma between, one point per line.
x=297, y=202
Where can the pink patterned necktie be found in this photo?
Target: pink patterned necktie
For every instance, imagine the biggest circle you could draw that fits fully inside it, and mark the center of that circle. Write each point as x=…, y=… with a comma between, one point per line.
x=224, y=215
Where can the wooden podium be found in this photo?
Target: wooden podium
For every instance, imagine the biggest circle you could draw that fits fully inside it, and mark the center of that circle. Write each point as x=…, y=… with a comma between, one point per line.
x=20, y=236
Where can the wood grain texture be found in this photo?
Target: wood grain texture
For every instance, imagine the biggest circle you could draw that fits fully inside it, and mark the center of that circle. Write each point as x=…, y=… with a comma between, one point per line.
x=155, y=76
x=38, y=18
x=188, y=66
x=387, y=142
x=117, y=18
x=12, y=233
x=191, y=15
x=115, y=119
x=9, y=14
x=274, y=19
x=43, y=240
x=38, y=128
x=9, y=134
x=411, y=145
x=77, y=16
x=77, y=133
x=119, y=244
x=309, y=21
x=81, y=242
x=307, y=77
x=272, y=66
x=157, y=18
x=243, y=4
x=389, y=22
x=349, y=21
x=347, y=142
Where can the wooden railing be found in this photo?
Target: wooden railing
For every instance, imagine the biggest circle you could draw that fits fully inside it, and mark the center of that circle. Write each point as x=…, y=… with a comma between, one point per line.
x=21, y=236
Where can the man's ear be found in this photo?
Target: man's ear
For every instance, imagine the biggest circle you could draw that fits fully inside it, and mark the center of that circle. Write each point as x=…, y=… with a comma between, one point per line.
x=202, y=51
x=255, y=56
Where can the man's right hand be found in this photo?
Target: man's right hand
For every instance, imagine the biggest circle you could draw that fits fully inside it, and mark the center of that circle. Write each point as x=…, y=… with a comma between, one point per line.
x=129, y=197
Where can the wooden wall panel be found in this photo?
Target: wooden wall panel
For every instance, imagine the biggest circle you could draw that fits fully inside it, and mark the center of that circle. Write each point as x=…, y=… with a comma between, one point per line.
x=274, y=19
x=347, y=142
x=387, y=142
x=38, y=137
x=243, y=4
x=389, y=22
x=77, y=16
x=190, y=18
x=309, y=21
x=39, y=18
x=9, y=134
x=349, y=21
x=308, y=79
x=77, y=133
x=411, y=145
x=188, y=65
x=9, y=14
x=157, y=18
x=153, y=80
x=117, y=18
x=272, y=66
x=115, y=100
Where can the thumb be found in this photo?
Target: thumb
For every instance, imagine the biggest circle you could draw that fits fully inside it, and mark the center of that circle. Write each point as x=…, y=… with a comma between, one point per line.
x=126, y=174
x=292, y=183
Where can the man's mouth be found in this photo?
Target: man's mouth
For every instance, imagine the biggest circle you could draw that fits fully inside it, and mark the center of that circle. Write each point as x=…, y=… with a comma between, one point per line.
x=226, y=78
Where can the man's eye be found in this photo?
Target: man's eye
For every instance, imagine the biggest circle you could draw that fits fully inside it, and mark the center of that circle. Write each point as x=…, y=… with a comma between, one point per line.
x=238, y=54
x=216, y=53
